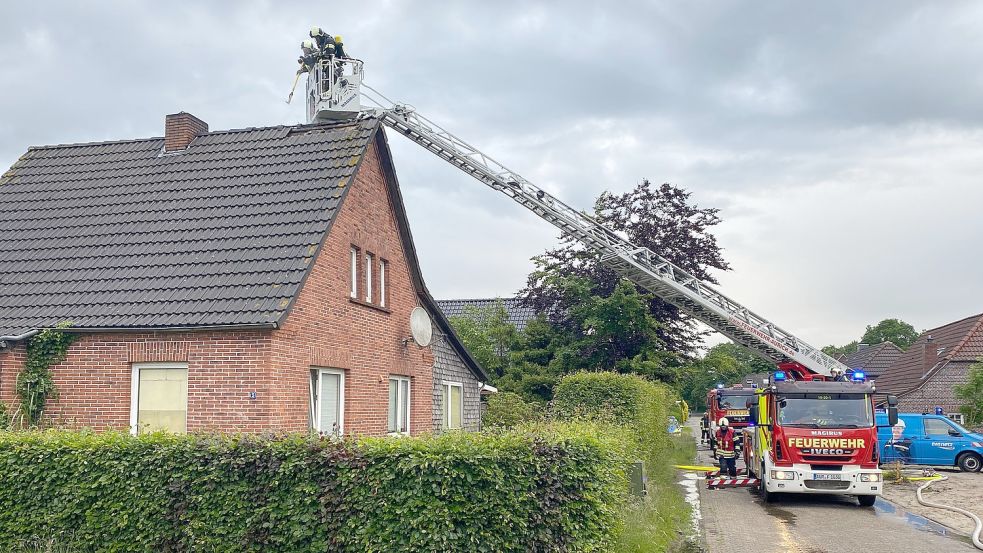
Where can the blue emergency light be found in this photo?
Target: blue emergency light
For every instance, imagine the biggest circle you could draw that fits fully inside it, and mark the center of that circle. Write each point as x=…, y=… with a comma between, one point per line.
x=779, y=376
x=859, y=376
x=720, y=386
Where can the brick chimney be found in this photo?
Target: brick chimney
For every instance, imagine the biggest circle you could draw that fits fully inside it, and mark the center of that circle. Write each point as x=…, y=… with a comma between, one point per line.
x=180, y=129
x=930, y=353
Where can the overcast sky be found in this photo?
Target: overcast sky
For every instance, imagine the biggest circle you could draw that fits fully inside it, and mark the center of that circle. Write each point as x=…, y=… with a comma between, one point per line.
x=842, y=141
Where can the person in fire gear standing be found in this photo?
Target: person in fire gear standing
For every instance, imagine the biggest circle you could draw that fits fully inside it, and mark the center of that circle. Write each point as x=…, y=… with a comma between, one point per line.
x=725, y=448
x=705, y=427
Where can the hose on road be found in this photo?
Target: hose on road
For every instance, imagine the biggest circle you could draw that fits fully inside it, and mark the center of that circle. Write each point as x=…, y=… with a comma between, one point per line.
x=934, y=479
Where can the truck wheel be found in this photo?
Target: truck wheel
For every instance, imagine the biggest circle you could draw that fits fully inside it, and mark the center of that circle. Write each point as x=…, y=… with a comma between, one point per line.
x=866, y=500
x=766, y=496
x=970, y=462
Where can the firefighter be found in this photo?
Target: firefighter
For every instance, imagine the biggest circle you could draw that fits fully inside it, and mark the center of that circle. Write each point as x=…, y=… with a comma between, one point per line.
x=705, y=427
x=339, y=47
x=725, y=448
x=307, y=60
x=325, y=42
x=837, y=374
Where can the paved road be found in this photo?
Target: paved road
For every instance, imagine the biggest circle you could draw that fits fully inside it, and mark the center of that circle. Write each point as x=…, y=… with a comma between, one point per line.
x=736, y=520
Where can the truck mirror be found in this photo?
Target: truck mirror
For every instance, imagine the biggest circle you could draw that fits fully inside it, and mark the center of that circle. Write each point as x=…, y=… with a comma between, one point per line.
x=892, y=416
x=892, y=401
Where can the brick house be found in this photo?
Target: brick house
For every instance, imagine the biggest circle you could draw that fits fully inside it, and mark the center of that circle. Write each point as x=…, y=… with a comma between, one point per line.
x=238, y=280
x=873, y=360
x=924, y=376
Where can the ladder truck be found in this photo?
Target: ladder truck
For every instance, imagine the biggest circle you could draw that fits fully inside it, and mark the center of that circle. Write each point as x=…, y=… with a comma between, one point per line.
x=833, y=452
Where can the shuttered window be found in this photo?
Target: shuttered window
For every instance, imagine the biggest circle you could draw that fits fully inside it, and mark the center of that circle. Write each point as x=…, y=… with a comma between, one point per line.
x=159, y=398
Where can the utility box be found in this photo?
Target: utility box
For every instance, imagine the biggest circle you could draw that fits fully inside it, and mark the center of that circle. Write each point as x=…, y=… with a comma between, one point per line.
x=334, y=89
x=639, y=481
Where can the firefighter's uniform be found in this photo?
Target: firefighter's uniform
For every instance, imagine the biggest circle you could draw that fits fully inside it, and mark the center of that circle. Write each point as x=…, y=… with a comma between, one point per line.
x=725, y=448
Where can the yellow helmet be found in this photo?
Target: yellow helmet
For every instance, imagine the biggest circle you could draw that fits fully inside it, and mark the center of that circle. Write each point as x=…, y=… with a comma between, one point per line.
x=338, y=39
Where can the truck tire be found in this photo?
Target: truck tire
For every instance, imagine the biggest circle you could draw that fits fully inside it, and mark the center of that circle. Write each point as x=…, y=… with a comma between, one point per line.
x=866, y=500
x=766, y=496
x=970, y=462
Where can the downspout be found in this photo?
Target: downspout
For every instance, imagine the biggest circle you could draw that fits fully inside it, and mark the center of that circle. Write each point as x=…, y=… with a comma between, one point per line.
x=6, y=340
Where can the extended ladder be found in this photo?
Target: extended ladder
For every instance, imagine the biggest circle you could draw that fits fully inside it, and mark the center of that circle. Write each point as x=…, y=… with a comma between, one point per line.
x=638, y=264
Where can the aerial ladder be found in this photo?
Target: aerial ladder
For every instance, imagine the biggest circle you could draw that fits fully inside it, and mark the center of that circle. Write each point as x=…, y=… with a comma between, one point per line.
x=334, y=91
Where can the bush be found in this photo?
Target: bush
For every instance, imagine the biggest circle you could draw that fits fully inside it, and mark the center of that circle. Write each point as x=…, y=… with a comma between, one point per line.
x=626, y=400
x=507, y=409
x=555, y=488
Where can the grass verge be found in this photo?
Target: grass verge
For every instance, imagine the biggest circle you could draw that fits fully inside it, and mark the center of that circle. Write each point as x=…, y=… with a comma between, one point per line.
x=657, y=523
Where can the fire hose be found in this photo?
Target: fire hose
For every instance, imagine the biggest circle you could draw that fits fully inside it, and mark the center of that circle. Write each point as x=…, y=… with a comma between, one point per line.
x=933, y=479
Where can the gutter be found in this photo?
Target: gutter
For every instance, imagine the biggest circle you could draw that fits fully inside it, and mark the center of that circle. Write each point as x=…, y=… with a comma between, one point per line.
x=5, y=341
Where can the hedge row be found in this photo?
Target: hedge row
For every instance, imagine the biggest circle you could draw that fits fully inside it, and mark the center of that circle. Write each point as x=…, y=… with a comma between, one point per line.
x=549, y=489
x=641, y=406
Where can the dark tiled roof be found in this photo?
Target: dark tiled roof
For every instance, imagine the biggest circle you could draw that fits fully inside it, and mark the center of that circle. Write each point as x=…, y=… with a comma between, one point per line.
x=116, y=235
x=954, y=341
x=518, y=314
x=873, y=360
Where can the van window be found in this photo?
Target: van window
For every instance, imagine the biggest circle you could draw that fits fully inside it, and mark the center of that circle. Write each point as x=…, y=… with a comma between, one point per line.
x=937, y=427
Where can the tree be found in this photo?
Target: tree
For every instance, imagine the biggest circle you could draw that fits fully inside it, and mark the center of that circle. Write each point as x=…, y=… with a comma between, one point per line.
x=836, y=351
x=660, y=218
x=488, y=336
x=726, y=363
x=895, y=331
x=971, y=394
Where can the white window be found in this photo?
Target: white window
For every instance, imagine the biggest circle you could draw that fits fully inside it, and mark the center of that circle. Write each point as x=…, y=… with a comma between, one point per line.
x=958, y=417
x=453, y=405
x=354, y=292
x=399, y=405
x=383, y=266
x=368, y=277
x=328, y=401
x=159, y=397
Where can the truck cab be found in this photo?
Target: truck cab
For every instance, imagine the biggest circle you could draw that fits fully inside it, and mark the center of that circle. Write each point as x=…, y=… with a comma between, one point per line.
x=929, y=440
x=733, y=403
x=814, y=436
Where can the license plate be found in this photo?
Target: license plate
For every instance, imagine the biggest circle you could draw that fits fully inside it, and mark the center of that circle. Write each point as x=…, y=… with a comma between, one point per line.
x=819, y=476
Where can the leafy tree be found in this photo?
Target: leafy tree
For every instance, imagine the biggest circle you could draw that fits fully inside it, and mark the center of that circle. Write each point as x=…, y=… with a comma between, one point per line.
x=896, y=331
x=658, y=217
x=507, y=409
x=488, y=335
x=971, y=394
x=726, y=363
x=836, y=351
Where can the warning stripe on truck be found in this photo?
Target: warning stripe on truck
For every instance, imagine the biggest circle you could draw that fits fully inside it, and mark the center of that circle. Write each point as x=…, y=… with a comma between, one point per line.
x=717, y=483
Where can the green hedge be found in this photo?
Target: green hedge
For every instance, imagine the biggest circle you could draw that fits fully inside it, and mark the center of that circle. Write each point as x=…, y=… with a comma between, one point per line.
x=630, y=401
x=555, y=488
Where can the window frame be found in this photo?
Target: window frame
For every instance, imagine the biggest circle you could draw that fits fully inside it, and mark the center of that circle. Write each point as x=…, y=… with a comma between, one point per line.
x=135, y=369
x=383, y=274
x=354, y=260
x=447, y=385
x=400, y=413
x=315, y=403
x=369, y=261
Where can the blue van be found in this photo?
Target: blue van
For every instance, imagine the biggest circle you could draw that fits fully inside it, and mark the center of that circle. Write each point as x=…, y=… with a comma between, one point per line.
x=929, y=440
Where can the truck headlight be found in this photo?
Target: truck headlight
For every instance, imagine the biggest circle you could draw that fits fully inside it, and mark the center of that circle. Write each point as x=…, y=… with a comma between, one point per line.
x=870, y=477
x=782, y=475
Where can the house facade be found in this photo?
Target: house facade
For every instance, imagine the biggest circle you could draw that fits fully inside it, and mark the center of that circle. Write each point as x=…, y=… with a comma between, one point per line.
x=244, y=281
x=924, y=377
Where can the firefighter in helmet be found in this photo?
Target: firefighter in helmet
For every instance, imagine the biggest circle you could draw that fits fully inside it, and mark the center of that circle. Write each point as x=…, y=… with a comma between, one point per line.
x=725, y=448
x=325, y=42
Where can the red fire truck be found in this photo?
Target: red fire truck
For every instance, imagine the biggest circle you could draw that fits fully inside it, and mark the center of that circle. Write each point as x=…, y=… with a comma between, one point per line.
x=733, y=403
x=812, y=435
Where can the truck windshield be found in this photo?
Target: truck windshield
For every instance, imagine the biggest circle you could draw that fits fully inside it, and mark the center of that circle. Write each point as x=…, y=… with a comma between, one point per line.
x=733, y=401
x=825, y=411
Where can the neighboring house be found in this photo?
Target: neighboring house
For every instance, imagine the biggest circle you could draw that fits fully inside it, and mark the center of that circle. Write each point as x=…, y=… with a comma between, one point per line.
x=240, y=280
x=925, y=375
x=872, y=360
x=517, y=313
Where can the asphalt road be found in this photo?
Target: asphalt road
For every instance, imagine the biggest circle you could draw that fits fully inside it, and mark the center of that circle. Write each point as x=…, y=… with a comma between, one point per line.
x=736, y=520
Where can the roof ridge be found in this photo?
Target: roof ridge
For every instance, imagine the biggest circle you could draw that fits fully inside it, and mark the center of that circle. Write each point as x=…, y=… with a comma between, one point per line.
x=962, y=343
x=97, y=143
x=483, y=299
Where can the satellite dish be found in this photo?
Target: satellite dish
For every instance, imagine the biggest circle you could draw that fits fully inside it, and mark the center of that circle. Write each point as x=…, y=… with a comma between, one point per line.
x=421, y=327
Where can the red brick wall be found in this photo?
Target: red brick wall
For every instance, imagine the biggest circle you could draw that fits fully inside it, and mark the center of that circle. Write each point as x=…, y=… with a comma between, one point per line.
x=94, y=381
x=324, y=328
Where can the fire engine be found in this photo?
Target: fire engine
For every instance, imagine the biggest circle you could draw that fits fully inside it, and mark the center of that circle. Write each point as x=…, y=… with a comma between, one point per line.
x=812, y=435
x=734, y=403
x=834, y=452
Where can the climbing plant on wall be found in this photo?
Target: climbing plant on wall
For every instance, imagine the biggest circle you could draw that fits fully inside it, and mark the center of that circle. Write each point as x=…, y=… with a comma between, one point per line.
x=34, y=384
